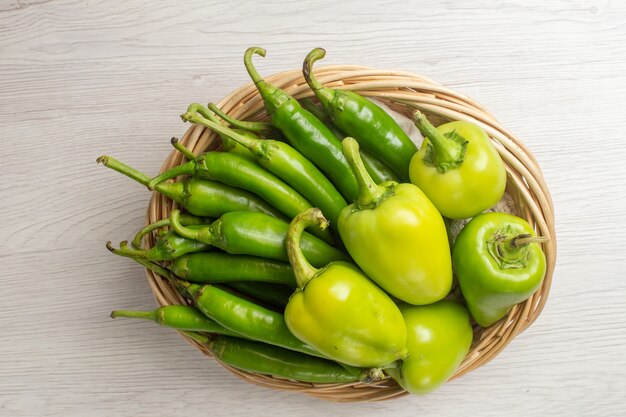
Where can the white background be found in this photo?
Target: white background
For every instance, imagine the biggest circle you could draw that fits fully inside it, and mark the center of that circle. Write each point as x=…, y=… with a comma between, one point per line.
x=83, y=78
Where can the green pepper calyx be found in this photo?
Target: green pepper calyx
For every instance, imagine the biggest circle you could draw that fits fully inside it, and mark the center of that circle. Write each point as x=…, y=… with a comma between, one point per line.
x=444, y=151
x=302, y=269
x=273, y=97
x=370, y=193
x=510, y=250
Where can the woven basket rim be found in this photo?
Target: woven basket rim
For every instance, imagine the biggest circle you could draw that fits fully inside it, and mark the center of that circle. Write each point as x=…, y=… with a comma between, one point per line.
x=403, y=91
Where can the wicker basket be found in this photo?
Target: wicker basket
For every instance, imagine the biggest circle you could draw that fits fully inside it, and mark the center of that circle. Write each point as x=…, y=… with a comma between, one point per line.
x=402, y=91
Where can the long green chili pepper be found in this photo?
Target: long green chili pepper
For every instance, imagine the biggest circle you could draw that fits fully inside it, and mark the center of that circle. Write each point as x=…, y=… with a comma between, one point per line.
x=265, y=359
x=249, y=233
x=265, y=129
x=242, y=316
x=167, y=247
x=198, y=196
x=185, y=219
x=377, y=169
x=220, y=267
x=237, y=171
x=177, y=317
x=287, y=164
x=274, y=294
x=304, y=131
x=363, y=120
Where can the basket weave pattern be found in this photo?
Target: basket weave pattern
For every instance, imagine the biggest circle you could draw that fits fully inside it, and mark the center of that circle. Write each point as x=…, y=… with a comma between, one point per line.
x=404, y=92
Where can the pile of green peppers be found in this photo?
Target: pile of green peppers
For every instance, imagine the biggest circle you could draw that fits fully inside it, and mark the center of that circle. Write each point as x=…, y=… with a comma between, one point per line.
x=313, y=246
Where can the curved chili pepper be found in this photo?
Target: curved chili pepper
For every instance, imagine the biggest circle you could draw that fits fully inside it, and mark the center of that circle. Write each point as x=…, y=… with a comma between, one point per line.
x=358, y=117
x=287, y=164
x=304, y=131
x=198, y=196
x=248, y=233
x=177, y=317
x=220, y=267
x=265, y=359
x=377, y=169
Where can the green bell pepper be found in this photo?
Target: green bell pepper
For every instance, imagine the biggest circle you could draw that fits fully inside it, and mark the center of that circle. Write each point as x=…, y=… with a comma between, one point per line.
x=396, y=236
x=438, y=338
x=498, y=262
x=337, y=310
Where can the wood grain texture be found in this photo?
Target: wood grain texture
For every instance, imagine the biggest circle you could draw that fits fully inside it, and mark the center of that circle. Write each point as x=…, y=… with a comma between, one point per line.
x=79, y=79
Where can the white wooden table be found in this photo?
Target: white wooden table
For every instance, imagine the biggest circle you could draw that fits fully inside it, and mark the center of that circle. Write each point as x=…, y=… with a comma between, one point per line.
x=79, y=79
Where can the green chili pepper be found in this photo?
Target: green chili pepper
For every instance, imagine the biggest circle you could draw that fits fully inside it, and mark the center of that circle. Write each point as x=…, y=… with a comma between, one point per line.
x=358, y=117
x=304, y=131
x=375, y=167
x=199, y=197
x=243, y=317
x=275, y=295
x=396, y=236
x=338, y=311
x=177, y=317
x=264, y=129
x=271, y=360
x=248, y=233
x=220, y=267
x=458, y=168
x=498, y=262
x=236, y=171
x=286, y=163
x=439, y=337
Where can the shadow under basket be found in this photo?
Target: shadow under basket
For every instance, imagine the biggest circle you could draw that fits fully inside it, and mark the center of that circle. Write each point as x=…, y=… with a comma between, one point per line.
x=402, y=91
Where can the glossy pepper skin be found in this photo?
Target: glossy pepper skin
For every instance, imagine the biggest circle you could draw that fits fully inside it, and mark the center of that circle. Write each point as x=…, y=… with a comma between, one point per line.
x=338, y=311
x=358, y=117
x=304, y=131
x=375, y=167
x=498, y=262
x=438, y=338
x=458, y=168
x=397, y=237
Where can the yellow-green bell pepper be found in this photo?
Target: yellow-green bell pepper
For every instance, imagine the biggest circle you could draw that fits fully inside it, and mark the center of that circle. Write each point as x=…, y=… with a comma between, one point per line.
x=396, y=236
x=338, y=311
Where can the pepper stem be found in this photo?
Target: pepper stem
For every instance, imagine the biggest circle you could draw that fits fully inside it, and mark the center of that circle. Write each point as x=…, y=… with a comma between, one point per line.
x=198, y=337
x=146, y=315
x=182, y=149
x=184, y=169
x=325, y=95
x=370, y=193
x=445, y=151
x=258, y=127
x=127, y=252
x=254, y=145
x=527, y=239
x=302, y=269
x=247, y=61
x=136, y=242
x=510, y=250
x=114, y=164
x=203, y=234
